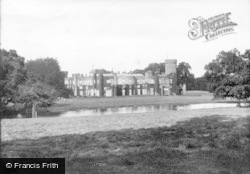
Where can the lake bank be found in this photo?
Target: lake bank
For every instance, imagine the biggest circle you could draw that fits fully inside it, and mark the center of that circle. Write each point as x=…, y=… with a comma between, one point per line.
x=92, y=103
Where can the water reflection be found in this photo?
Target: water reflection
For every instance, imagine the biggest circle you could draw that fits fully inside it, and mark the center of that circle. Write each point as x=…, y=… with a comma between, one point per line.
x=207, y=105
x=143, y=109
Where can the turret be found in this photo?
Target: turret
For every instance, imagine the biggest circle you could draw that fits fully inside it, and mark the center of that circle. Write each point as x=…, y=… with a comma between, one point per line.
x=170, y=69
x=170, y=66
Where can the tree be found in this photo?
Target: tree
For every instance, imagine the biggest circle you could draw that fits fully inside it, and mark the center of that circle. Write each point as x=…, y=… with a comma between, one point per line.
x=151, y=67
x=1, y=85
x=190, y=82
x=47, y=71
x=201, y=83
x=33, y=94
x=184, y=75
x=13, y=73
x=139, y=71
x=183, y=72
x=226, y=63
x=230, y=71
x=104, y=71
x=155, y=66
x=1, y=66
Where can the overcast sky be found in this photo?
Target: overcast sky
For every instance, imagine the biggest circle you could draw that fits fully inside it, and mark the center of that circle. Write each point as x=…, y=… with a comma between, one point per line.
x=122, y=35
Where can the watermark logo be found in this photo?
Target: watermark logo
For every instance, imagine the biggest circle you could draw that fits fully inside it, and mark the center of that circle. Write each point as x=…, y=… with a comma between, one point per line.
x=8, y=165
x=210, y=28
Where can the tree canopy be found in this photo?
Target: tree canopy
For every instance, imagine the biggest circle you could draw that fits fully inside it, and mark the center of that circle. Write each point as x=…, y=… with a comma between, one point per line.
x=35, y=93
x=13, y=73
x=155, y=66
x=230, y=72
x=36, y=82
x=184, y=75
x=46, y=70
x=98, y=71
x=151, y=67
x=201, y=83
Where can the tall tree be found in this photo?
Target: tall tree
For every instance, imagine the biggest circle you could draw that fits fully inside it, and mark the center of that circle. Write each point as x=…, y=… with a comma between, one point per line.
x=231, y=75
x=184, y=75
x=13, y=73
x=47, y=71
x=226, y=63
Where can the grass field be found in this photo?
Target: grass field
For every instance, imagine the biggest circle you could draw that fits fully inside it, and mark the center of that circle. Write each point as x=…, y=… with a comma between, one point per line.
x=212, y=144
x=202, y=141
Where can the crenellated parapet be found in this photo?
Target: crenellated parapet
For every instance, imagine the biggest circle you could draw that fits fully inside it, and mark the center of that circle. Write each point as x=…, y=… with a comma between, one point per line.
x=170, y=66
x=174, y=61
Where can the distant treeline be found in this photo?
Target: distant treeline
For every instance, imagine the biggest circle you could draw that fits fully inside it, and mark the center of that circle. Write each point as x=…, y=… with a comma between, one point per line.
x=41, y=81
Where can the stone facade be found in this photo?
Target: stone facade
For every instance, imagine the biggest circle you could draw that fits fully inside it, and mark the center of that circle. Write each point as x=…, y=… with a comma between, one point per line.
x=111, y=85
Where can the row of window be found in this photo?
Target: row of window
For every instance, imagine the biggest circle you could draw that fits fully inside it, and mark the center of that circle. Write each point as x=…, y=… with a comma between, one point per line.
x=121, y=81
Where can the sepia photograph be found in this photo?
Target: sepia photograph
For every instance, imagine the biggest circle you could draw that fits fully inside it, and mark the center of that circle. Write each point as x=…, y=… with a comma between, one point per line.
x=125, y=86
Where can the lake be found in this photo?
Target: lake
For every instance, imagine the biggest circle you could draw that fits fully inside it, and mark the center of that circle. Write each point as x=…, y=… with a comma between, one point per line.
x=142, y=109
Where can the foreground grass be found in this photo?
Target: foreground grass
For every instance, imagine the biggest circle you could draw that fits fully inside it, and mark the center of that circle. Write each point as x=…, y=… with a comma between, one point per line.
x=206, y=145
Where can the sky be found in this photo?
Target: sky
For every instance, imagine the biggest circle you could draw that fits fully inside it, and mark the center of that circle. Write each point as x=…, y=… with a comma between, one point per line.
x=119, y=35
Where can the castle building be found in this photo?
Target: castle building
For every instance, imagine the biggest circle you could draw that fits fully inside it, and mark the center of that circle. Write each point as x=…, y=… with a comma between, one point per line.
x=113, y=84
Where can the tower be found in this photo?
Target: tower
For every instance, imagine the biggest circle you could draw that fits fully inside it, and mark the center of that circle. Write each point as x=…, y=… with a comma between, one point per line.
x=170, y=66
x=170, y=71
